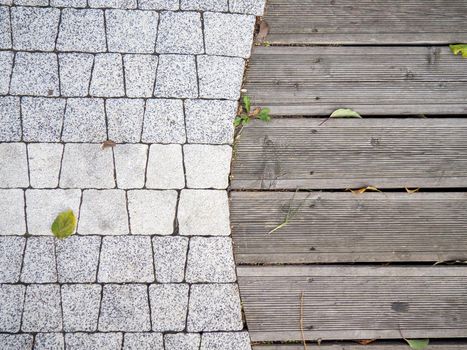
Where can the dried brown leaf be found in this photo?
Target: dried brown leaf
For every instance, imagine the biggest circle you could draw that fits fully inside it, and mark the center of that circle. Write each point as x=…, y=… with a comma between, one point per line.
x=263, y=31
x=255, y=112
x=365, y=341
x=410, y=191
x=363, y=190
x=108, y=144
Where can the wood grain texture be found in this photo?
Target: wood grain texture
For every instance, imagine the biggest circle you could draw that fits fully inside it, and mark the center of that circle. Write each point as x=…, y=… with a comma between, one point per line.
x=434, y=345
x=366, y=22
x=351, y=153
x=354, y=302
x=344, y=227
x=370, y=80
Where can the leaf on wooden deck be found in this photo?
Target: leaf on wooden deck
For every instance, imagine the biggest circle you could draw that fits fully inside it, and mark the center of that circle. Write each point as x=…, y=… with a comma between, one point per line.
x=64, y=224
x=108, y=144
x=263, y=31
x=363, y=190
x=418, y=344
x=459, y=49
x=344, y=113
x=247, y=103
x=410, y=191
x=366, y=341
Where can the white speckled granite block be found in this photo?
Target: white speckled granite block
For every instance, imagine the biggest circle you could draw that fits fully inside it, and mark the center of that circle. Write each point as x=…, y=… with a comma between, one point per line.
x=42, y=311
x=140, y=74
x=44, y=164
x=130, y=165
x=80, y=304
x=176, y=77
x=75, y=73
x=42, y=118
x=165, y=167
x=164, y=121
x=169, y=303
x=13, y=165
x=11, y=307
x=12, y=220
x=10, y=120
x=107, y=76
x=125, y=119
x=84, y=120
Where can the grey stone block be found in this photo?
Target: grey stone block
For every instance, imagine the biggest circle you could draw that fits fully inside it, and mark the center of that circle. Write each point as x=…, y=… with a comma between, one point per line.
x=10, y=121
x=43, y=206
x=169, y=303
x=87, y=166
x=77, y=259
x=169, y=258
x=182, y=341
x=143, y=341
x=11, y=307
x=68, y=3
x=75, y=73
x=103, y=212
x=121, y=4
x=251, y=7
x=210, y=260
x=13, y=165
x=107, y=76
x=225, y=341
x=34, y=28
x=220, y=77
x=12, y=220
x=130, y=165
x=82, y=30
x=131, y=31
x=125, y=119
x=217, y=121
x=214, y=307
x=6, y=67
x=49, y=341
x=80, y=304
x=176, y=77
x=5, y=28
x=42, y=312
x=125, y=308
x=152, y=212
x=180, y=32
x=35, y=74
x=158, y=4
x=32, y=2
x=84, y=120
x=39, y=261
x=165, y=167
x=203, y=213
x=204, y=5
x=42, y=118
x=228, y=34
x=44, y=163
x=164, y=121
x=126, y=259
x=11, y=257
x=140, y=74
x=93, y=341
x=16, y=341
x=207, y=166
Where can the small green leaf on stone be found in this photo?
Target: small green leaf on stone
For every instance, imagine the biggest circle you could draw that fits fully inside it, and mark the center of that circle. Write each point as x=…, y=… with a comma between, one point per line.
x=247, y=103
x=64, y=224
x=459, y=49
x=418, y=344
x=344, y=113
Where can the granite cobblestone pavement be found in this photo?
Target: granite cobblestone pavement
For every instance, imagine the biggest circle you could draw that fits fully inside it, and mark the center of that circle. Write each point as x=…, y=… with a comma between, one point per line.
x=150, y=265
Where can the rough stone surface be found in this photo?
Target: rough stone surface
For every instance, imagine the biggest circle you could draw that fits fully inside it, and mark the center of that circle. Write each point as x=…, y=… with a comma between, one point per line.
x=130, y=165
x=203, y=213
x=16, y=341
x=31, y=2
x=42, y=311
x=182, y=341
x=107, y=76
x=42, y=118
x=225, y=341
x=103, y=212
x=11, y=257
x=84, y=120
x=251, y=7
x=5, y=28
x=75, y=73
x=126, y=259
x=125, y=119
x=204, y=5
x=39, y=261
x=143, y=341
x=207, y=166
x=93, y=341
x=6, y=66
x=43, y=206
x=214, y=307
x=12, y=220
x=49, y=341
x=140, y=74
x=10, y=120
x=13, y=165
x=217, y=121
x=169, y=303
x=165, y=167
x=152, y=212
x=176, y=77
x=44, y=164
x=77, y=259
x=11, y=306
x=124, y=308
x=170, y=258
x=180, y=32
x=228, y=34
x=123, y=4
x=164, y=121
x=159, y=4
x=68, y=3
x=80, y=304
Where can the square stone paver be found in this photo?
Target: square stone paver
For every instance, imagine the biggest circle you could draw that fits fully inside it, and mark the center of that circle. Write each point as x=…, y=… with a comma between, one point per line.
x=169, y=303
x=169, y=258
x=84, y=120
x=204, y=5
x=126, y=259
x=165, y=167
x=180, y=32
x=103, y=212
x=143, y=341
x=207, y=166
x=5, y=28
x=164, y=121
x=42, y=118
x=13, y=165
x=152, y=212
x=49, y=341
x=125, y=119
x=16, y=341
x=75, y=73
x=11, y=307
x=77, y=259
x=43, y=206
x=131, y=31
x=159, y=4
x=10, y=120
x=39, y=261
x=6, y=67
x=130, y=165
x=225, y=341
x=12, y=220
x=80, y=304
x=123, y=4
x=251, y=7
x=182, y=341
x=107, y=76
x=11, y=257
x=44, y=164
x=124, y=308
x=93, y=341
x=203, y=213
x=214, y=307
x=42, y=311
x=176, y=77
x=140, y=74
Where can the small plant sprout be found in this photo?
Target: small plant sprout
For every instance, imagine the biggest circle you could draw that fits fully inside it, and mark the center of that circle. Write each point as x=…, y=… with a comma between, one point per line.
x=291, y=212
x=64, y=224
x=245, y=114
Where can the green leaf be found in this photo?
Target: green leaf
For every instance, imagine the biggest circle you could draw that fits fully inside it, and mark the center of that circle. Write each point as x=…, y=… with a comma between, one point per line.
x=459, y=49
x=264, y=115
x=418, y=344
x=237, y=121
x=345, y=113
x=64, y=224
x=247, y=103
x=245, y=120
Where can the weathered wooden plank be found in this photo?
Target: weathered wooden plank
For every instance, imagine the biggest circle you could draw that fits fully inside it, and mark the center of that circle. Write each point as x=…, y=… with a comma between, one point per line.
x=390, y=345
x=354, y=302
x=343, y=227
x=351, y=153
x=366, y=22
x=370, y=80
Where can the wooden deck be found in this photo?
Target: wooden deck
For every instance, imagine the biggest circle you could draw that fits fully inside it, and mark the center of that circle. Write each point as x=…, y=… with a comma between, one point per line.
x=349, y=266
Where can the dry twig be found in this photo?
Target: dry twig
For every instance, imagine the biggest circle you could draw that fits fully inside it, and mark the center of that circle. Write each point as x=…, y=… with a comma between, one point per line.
x=301, y=321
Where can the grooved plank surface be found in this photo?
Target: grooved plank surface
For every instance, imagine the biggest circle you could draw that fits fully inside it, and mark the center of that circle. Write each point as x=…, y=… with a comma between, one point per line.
x=370, y=80
x=351, y=153
x=343, y=227
x=366, y=22
x=354, y=302
x=434, y=345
